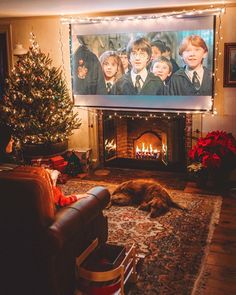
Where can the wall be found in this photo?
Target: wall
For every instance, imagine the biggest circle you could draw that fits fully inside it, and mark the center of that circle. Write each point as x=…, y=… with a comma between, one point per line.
x=225, y=100
x=53, y=38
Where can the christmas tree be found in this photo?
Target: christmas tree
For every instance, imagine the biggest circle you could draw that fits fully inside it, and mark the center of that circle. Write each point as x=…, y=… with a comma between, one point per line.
x=36, y=101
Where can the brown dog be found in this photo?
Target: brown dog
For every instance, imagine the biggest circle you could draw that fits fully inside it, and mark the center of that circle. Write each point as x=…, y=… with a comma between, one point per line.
x=149, y=195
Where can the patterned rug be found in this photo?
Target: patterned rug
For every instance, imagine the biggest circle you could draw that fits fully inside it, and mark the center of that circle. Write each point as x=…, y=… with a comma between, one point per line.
x=174, y=245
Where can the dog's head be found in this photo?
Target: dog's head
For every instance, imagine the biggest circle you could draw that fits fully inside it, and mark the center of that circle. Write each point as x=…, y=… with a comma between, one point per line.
x=158, y=207
x=121, y=199
x=123, y=194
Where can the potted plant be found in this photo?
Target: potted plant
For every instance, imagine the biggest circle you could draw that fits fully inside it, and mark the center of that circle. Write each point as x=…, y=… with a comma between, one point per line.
x=213, y=157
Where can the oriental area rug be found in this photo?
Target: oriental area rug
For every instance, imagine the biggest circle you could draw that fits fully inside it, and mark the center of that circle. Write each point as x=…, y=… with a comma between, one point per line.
x=173, y=246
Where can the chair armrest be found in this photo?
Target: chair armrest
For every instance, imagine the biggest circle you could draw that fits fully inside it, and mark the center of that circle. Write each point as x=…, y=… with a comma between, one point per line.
x=97, y=199
x=102, y=194
x=72, y=220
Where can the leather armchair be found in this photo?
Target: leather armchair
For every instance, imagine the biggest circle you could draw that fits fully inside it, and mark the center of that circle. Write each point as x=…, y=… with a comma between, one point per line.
x=38, y=245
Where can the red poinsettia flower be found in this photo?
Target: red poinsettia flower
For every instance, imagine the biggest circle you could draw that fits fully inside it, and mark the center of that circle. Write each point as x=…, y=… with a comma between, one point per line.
x=218, y=148
x=213, y=161
x=231, y=147
x=200, y=151
x=206, y=142
x=192, y=153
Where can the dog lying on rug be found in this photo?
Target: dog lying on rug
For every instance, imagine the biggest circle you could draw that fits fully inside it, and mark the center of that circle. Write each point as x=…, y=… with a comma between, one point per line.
x=149, y=195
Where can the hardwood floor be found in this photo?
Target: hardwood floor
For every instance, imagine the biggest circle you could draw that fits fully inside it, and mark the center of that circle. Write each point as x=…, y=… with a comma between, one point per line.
x=221, y=260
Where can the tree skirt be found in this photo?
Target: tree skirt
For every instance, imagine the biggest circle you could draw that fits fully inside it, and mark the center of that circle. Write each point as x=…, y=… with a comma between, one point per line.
x=174, y=245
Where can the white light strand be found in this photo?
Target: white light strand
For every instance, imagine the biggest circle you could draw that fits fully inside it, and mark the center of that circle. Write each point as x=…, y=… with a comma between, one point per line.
x=177, y=14
x=62, y=55
x=149, y=114
x=110, y=114
x=218, y=55
x=133, y=115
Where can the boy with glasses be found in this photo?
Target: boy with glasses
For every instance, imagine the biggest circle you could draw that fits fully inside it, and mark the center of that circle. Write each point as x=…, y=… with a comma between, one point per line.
x=138, y=81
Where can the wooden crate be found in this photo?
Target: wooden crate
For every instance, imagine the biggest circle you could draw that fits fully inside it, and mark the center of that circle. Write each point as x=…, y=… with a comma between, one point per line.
x=113, y=274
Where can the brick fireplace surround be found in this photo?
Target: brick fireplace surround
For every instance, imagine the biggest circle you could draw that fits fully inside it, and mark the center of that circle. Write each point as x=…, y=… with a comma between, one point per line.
x=168, y=134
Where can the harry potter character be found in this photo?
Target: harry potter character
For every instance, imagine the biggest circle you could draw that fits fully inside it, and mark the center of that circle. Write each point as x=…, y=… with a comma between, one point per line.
x=194, y=78
x=139, y=81
x=168, y=55
x=112, y=68
x=124, y=59
x=162, y=68
x=158, y=48
x=87, y=73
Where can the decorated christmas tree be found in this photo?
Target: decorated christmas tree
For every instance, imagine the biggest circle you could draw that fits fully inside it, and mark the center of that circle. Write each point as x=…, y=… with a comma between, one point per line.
x=36, y=101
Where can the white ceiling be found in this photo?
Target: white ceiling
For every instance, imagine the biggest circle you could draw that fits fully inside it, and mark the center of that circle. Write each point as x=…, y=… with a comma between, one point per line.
x=19, y=8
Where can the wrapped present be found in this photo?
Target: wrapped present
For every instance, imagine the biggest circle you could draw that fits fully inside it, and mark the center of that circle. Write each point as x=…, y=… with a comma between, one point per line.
x=61, y=167
x=85, y=157
x=74, y=165
x=57, y=160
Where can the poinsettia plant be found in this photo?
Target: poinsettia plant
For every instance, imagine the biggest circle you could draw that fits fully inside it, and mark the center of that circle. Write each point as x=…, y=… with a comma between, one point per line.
x=217, y=150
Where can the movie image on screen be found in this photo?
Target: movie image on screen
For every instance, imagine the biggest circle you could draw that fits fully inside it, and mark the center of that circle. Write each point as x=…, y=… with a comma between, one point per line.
x=151, y=64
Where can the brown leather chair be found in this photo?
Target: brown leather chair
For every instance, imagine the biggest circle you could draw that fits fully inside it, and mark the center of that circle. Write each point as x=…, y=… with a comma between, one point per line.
x=39, y=245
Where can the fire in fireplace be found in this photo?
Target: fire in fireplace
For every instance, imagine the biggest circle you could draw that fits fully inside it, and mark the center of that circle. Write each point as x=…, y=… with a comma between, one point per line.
x=147, y=152
x=148, y=146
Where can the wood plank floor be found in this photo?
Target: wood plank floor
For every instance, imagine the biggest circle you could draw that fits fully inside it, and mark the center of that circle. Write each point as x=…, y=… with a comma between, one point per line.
x=221, y=260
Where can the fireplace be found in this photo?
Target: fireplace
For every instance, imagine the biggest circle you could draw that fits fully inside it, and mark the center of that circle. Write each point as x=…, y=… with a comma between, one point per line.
x=143, y=140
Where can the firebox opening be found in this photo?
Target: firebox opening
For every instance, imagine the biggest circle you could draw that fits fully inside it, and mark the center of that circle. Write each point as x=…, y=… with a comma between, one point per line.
x=148, y=146
x=155, y=144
